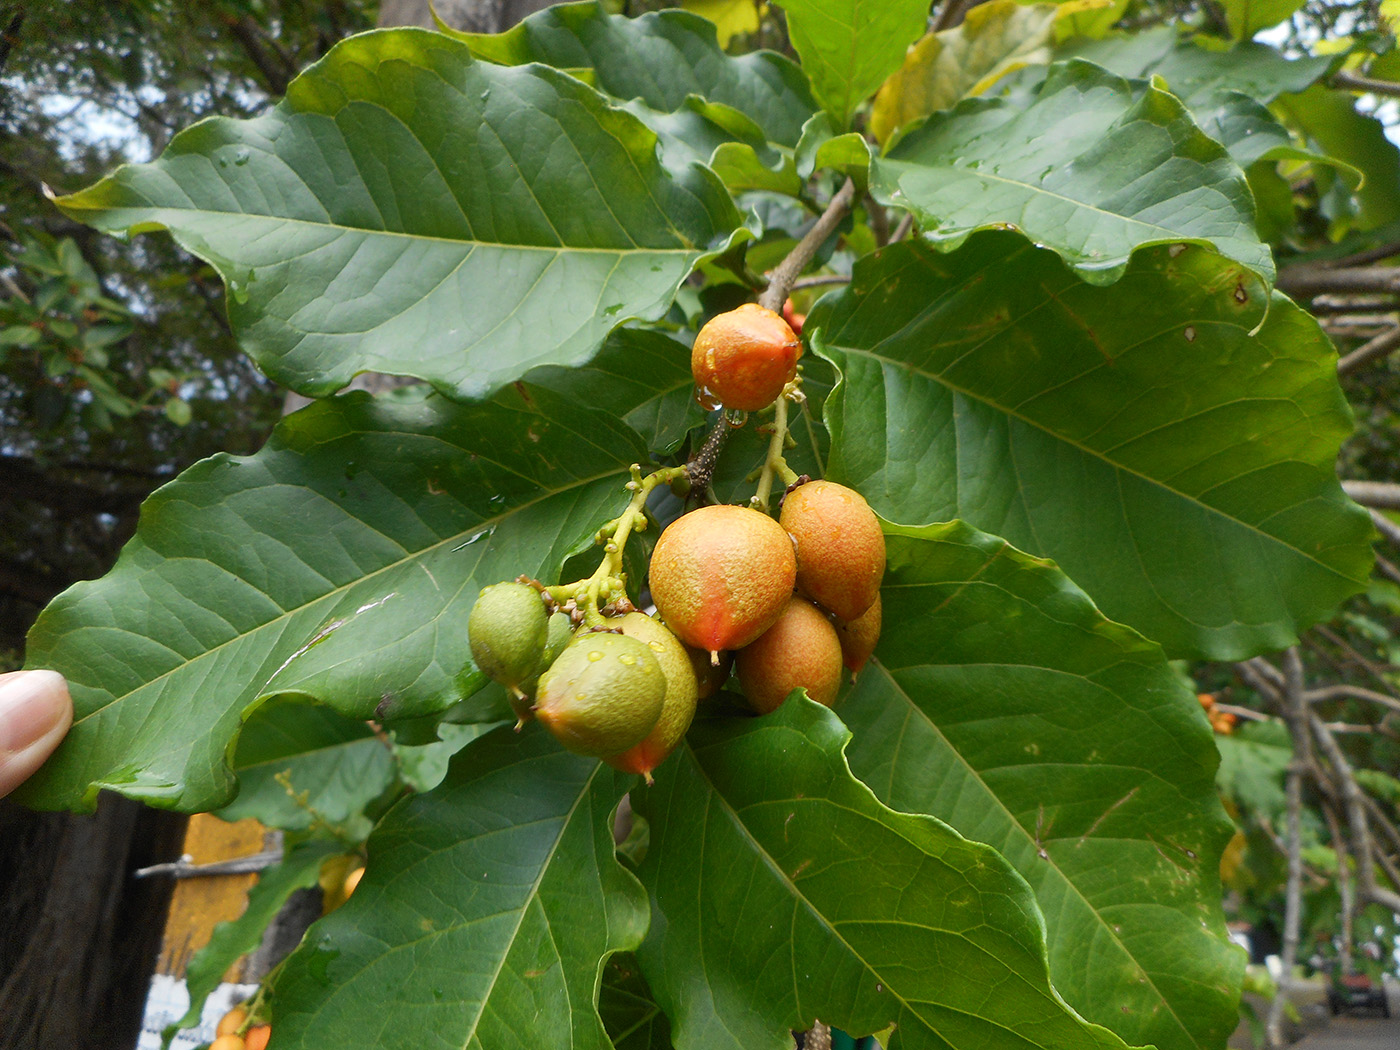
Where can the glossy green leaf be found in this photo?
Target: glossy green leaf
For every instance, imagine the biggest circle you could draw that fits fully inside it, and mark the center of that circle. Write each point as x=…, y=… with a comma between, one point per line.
x=484, y=916
x=822, y=147
x=1198, y=75
x=339, y=564
x=943, y=68
x=1330, y=119
x=409, y=210
x=849, y=47
x=299, y=764
x=640, y=376
x=1177, y=467
x=783, y=891
x=1094, y=167
x=231, y=940
x=660, y=58
x=1001, y=701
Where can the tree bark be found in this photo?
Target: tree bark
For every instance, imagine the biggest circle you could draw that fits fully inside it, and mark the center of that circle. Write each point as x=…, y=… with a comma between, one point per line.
x=78, y=935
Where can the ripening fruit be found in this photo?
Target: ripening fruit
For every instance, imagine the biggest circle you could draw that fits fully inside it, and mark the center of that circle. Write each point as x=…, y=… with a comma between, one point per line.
x=678, y=706
x=721, y=575
x=227, y=1042
x=351, y=881
x=257, y=1037
x=507, y=628
x=559, y=632
x=859, y=636
x=710, y=677
x=602, y=695
x=231, y=1022
x=801, y=650
x=840, y=548
x=794, y=319
x=742, y=359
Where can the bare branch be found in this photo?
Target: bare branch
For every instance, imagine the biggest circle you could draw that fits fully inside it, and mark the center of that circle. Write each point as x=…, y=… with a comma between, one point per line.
x=1296, y=714
x=1352, y=692
x=1370, y=255
x=1372, y=350
x=1356, y=82
x=780, y=283
x=902, y=230
x=1300, y=281
x=820, y=279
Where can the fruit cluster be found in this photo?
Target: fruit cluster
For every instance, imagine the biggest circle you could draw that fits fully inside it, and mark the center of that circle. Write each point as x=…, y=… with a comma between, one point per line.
x=787, y=602
x=1223, y=722
x=234, y=1032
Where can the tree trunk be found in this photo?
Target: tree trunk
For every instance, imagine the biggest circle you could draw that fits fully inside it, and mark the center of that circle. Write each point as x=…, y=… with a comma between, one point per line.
x=78, y=935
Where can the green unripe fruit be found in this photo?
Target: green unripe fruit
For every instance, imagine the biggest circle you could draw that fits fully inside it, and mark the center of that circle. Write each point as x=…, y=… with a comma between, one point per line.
x=559, y=633
x=720, y=576
x=840, y=546
x=602, y=695
x=507, y=629
x=678, y=706
x=801, y=650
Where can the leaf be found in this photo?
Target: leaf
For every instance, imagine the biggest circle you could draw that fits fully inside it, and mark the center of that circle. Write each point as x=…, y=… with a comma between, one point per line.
x=411, y=211
x=1196, y=74
x=821, y=147
x=1178, y=468
x=1094, y=167
x=731, y=17
x=943, y=68
x=484, y=916
x=1330, y=119
x=298, y=762
x=849, y=47
x=1001, y=701
x=660, y=58
x=643, y=378
x=337, y=564
x=1252, y=766
x=231, y=940
x=783, y=891
x=1246, y=17
x=629, y=1011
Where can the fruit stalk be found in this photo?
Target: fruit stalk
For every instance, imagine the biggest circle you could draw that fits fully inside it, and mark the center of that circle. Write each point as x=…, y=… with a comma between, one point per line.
x=775, y=464
x=607, y=579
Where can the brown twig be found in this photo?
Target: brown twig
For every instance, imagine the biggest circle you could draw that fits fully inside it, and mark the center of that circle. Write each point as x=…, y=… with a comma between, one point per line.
x=1352, y=801
x=1352, y=692
x=1317, y=280
x=1372, y=350
x=1295, y=713
x=820, y=279
x=902, y=230
x=781, y=280
x=1356, y=82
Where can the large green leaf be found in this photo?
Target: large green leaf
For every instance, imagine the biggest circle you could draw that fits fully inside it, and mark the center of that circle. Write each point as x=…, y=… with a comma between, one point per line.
x=1196, y=75
x=1247, y=17
x=409, y=210
x=849, y=47
x=299, y=764
x=783, y=891
x=1094, y=167
x=1002, y=702
x=642, y=377
x=659, y=58
x=1178, y=467
x=339, y=563
x=484, y=917
x=1224, y=90
x=943, y=68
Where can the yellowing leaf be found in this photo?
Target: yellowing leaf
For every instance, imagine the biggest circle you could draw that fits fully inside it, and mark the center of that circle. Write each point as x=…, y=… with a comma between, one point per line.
x=994, y=40
x=731, y=17
x=1090, y=18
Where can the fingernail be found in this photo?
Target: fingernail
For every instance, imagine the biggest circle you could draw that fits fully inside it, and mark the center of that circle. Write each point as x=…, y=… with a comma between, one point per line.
x=32, y=703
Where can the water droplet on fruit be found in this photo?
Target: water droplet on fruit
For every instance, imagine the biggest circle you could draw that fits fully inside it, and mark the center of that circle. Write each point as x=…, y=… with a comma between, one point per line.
x=625, y=658
x=706, y=399
x=594, y=656
x=736, y=418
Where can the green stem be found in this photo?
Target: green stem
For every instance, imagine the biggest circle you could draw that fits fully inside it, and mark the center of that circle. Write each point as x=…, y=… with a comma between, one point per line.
x=775, y=464
x=608, y=580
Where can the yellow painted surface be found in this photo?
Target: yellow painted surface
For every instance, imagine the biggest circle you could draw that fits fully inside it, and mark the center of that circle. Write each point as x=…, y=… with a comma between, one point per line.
x=201, y=903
